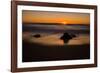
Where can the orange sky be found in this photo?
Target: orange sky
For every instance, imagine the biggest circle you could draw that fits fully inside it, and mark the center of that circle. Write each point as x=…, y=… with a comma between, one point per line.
x=55, y=17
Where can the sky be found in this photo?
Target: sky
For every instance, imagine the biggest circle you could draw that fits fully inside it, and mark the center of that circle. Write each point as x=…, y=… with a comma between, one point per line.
x=55, y=17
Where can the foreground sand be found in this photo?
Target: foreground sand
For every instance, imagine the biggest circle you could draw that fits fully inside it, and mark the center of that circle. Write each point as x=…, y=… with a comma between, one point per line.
x=37, y=52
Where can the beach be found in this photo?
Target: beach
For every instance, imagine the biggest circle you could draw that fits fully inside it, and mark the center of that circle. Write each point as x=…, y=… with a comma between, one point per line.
x=51, y=48
x=44, y=43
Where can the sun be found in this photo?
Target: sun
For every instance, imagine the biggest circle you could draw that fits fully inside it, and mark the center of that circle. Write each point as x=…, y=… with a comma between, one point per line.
x=64, y=22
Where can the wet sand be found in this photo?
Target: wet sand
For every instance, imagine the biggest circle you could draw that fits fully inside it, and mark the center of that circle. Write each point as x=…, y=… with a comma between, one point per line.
x=54, y=39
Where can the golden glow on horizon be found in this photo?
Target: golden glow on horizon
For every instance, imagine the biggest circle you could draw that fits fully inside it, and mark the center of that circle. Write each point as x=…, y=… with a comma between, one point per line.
x=64, y=22
x=55, y=17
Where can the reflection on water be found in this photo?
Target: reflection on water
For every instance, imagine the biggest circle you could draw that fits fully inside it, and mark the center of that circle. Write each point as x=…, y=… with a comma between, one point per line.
x=54, y=39
x=51, y=34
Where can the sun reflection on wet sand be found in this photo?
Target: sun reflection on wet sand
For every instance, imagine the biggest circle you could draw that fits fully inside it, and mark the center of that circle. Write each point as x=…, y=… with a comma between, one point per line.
x=54, y=40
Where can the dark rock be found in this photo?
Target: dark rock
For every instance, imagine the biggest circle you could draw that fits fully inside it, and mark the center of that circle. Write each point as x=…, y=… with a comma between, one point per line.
x=66, y=37
x=37, y=35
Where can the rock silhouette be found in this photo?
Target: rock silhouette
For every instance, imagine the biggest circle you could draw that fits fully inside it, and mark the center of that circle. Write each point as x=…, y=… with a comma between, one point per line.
x=36, y=35
x=66, y=37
